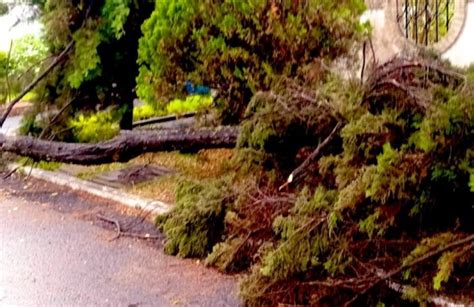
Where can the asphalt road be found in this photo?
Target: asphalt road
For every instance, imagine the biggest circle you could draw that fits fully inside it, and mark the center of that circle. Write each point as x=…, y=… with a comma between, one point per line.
x=55, y=252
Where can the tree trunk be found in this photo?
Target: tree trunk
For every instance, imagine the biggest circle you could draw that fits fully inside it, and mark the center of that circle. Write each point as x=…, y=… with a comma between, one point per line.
x=124, y=147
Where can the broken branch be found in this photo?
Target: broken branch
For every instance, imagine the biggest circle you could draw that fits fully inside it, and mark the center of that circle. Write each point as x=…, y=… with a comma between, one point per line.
x=124, y=147
x=35, y=82
x=296, y=175
x=419, y=260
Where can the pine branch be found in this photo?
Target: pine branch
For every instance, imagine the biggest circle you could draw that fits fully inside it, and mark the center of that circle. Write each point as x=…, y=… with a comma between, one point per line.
x=419, y=260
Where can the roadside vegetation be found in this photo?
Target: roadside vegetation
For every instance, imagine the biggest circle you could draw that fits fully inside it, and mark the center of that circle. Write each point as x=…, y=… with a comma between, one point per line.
x=354, y=190
x=192, y=103
x=205, y=164
x=19, y=66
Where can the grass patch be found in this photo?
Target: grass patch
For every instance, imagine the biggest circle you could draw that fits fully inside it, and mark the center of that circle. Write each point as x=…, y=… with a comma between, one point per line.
x=92, y=171
x=205, y=164
x=44, y=165
x=162, y=188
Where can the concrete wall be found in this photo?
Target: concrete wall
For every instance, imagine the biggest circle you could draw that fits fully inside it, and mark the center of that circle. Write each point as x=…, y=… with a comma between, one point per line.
x=457, y=46
x=461, y=53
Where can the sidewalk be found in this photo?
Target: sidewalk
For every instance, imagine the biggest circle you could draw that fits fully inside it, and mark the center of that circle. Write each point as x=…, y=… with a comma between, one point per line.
x=62, y=179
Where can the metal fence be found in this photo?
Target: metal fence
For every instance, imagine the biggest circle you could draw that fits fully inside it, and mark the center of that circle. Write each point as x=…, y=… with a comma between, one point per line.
x=423, y=21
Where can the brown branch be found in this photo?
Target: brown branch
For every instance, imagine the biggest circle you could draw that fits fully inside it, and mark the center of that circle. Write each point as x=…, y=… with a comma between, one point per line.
x=374, y=59
x=394, y=83
x=396, y=65
x=55, y=118
x=115, y=222
x=364, y=47
x=35, y=82
x=295, y=176
x=414, y=262
x=120, y=233
x=32, y=66
x=41, y=136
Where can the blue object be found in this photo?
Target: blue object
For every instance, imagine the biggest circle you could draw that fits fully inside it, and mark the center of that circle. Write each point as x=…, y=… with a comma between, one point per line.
x=196, y=90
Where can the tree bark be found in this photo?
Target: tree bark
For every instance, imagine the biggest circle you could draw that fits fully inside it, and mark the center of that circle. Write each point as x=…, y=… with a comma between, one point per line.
x=124, y=147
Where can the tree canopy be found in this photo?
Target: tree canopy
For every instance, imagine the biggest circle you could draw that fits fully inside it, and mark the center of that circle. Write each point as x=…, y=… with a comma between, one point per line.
x=240, y=47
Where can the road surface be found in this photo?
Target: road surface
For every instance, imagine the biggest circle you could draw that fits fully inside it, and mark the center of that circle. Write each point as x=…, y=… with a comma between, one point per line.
x=54, y=251
x=11, y=125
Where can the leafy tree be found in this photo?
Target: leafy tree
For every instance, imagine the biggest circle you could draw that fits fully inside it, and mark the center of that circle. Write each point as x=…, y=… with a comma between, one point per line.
x=101, y=69
x=240, y=47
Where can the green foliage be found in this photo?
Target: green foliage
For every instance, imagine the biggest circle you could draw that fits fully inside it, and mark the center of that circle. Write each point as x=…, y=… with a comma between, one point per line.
x=196, y=222
x=86, y=59
x=471, y=180
x=240, y=47
x=22, y=65
x=29, y=125
x=57, y=16
x=445, y=267
x=115, y=14
x=45, y=165
x=101, y=68
x=193, y=103
x=27, y=54
x=3, y=76
x=302, y=246
x=397, y=174
x=447, y=260
x=428, y=244
x=277, y=127
x=146, y=111
x=224, y=253
x=96, y=127
x=3, y=9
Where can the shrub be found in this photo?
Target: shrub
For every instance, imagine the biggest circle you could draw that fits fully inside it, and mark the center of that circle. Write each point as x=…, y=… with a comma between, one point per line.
x=238, y=47
x=146, y=111
x=197, y=221
x=193, y=103
x=96, y=127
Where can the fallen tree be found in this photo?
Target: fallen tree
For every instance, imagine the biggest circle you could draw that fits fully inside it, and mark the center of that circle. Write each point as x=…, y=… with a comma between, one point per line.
x=376, y=205
x=126, y=146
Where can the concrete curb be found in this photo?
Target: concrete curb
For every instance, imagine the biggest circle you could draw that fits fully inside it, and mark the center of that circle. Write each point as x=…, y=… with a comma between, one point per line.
x=152, y=206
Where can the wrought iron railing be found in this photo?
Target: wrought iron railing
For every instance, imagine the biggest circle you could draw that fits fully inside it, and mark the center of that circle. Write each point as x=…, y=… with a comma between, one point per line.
x=424, y=21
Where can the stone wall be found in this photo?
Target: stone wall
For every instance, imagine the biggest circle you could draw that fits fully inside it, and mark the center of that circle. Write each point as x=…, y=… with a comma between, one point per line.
x=457, y=46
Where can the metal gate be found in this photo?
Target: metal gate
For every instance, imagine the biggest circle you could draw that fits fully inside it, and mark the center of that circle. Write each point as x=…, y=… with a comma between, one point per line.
x=424, y=22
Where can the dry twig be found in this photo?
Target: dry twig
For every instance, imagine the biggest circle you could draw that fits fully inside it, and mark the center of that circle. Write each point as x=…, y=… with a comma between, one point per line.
x=398, y=270
x=120, y=233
